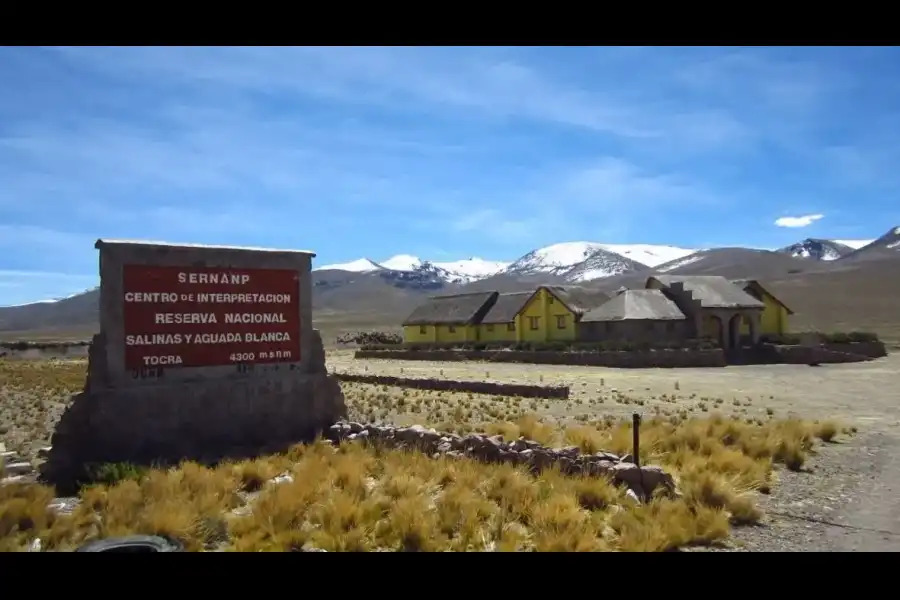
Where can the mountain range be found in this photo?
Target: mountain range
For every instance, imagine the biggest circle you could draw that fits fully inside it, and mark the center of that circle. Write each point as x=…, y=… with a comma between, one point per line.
x=381, y=291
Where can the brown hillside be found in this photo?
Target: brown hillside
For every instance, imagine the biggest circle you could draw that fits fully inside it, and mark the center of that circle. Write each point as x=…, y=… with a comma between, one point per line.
x=741, y=263
x=858, y=297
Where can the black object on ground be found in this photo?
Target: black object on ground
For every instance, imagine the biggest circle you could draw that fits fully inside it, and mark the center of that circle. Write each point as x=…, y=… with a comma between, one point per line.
x=134, y=544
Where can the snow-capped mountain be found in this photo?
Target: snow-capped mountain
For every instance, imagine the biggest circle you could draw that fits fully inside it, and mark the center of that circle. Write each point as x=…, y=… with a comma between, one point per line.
x=855, y=244
x=402, y=262
x=680, y=262
x=459, y=271
x=586, y=261
x=553, y=260
x=574, y=261
x=580, y=262
x=648, y=254
x=886, y=246
x=362, y=265
x=817, y=249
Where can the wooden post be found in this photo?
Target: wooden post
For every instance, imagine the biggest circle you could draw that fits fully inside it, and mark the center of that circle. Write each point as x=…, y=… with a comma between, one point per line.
x=636, y=438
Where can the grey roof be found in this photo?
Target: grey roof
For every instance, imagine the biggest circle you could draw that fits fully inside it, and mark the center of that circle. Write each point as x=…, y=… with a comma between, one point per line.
x=507, y=307
x=578, y=299
x=712, y=291
x=651, y=305
x=754, y=283
x=459, y=309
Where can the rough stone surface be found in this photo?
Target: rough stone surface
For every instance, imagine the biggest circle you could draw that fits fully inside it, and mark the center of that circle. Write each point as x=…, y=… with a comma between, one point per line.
x=474, y=387
x=811, y=355
x=643, y=481
x=199, y=413
x=869, y=349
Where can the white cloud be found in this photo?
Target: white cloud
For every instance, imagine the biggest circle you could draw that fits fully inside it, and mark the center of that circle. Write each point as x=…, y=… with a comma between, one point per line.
x=478, y=83
x=793, y=222
x=261, y=146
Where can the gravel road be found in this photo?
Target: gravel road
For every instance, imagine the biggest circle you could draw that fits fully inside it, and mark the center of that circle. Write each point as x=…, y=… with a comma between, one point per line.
x=848, y=502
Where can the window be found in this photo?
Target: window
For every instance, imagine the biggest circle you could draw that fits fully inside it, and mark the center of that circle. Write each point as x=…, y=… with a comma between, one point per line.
x=549, y=299
x=490, y=327
x=534, y=323
x=511, y=326
x=423, y=329
x=560, y=321
x=451, y=328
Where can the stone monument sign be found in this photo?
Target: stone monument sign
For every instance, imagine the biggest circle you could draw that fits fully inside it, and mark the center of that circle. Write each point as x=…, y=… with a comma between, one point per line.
x=203, y=352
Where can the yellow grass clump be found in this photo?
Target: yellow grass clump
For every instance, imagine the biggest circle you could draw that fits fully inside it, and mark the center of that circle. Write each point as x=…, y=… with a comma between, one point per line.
x=363, y=498
x=359, y=498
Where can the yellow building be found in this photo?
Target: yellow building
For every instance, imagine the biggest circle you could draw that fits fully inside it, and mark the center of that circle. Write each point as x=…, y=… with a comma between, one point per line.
x=774, y=320
x=547, y=314
x=448, y=319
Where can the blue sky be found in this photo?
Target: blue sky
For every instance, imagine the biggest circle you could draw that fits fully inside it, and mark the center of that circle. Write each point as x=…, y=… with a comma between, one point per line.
x=442, y=153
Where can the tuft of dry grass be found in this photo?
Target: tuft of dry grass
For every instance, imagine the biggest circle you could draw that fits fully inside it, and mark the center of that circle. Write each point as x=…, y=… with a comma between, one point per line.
x=359, y=498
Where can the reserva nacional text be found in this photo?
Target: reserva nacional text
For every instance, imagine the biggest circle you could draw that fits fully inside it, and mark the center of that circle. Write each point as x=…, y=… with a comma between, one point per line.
x=172, y=297
x=212, y=318
x=175, y=339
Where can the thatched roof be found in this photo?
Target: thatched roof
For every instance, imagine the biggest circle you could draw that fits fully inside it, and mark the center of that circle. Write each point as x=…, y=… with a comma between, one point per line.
x=712, y=291
x=578, y=299
x=507, y=307
x=458, y=309
x=628, y=305
x=755, y=284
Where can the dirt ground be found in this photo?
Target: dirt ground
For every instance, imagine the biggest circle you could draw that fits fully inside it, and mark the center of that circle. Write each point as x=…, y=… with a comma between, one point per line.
x=863, y=394
x=848, y=501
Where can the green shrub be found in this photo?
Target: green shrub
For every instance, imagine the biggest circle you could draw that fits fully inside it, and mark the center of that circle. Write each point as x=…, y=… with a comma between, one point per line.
x=113, y=473
x=863, y=336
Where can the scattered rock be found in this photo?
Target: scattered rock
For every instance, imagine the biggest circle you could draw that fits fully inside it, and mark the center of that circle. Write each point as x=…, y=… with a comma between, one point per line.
x=16, y=479
x=283, y=478
x=17, y=468
x=65, y=505
x=490, y=388
x=642, y=481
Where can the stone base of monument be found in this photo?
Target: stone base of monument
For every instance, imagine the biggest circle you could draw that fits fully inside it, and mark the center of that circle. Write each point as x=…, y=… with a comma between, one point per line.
x=203, y=420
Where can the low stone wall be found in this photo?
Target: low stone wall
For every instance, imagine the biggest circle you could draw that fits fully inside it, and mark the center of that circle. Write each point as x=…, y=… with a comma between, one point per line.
x=805, y=355
x=451, y=385
x=869, y=349
x=570, y=460
x=48, y=352
x=626, y=360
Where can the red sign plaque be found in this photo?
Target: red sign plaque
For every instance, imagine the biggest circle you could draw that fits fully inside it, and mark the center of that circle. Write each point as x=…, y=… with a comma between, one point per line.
x=206, y=317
